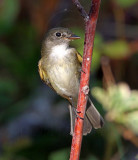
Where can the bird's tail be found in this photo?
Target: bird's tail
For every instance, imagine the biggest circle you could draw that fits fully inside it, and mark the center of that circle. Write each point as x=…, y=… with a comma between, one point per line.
x=92, y=118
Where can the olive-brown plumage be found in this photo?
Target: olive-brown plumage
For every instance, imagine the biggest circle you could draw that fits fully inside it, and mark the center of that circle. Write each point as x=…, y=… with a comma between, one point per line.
x=59, y=68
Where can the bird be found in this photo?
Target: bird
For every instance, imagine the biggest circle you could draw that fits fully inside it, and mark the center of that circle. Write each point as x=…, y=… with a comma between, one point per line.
x=60, y=69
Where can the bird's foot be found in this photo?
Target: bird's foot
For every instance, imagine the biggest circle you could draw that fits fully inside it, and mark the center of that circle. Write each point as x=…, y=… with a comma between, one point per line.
x=80, y=70
x=78, y=112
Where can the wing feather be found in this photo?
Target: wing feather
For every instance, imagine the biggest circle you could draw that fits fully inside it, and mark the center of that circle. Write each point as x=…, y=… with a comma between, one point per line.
x=80, y=59
x=43, y=74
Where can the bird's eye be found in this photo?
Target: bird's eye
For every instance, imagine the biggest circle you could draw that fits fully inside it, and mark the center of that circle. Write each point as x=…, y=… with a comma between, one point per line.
x=58, y=34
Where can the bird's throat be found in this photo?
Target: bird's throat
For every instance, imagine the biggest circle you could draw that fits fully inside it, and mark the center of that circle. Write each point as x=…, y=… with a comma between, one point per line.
x=59, y=51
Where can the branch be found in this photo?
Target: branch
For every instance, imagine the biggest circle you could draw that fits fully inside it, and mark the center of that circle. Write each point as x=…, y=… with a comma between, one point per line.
x=81, y=10
x=108, y=78
x=90, y=27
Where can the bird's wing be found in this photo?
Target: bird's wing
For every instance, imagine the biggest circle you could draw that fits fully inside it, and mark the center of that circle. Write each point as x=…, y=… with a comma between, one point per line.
x=79, y=57
x=43, y=74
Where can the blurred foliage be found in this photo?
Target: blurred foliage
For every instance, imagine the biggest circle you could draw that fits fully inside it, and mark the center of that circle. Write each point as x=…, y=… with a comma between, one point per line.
x=98, y=42
x=11, y=149
x=116, y=49
x=126, y=3
x=120, y=103
x=58, y=155
x=22, y=24
x=8, y=13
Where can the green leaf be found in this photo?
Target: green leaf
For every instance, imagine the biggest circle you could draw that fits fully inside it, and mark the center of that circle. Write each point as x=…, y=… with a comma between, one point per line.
x=58, y=155
x=120, y=103
x=116, y=49
x=131, y=121
x=79, y=45
x=95, y=60
x=126, y=3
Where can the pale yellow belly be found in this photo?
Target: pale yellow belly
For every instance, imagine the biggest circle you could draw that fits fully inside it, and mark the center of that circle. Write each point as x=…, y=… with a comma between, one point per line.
x=64, y=79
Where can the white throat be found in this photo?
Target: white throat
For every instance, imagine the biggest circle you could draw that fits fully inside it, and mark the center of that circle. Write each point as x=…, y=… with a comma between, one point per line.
x=59, y=51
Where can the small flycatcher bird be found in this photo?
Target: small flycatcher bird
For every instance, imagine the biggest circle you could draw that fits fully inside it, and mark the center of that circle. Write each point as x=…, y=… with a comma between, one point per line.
x=60, y=68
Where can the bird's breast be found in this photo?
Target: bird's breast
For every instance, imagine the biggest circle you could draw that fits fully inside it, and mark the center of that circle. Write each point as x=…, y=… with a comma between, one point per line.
x=63, y=74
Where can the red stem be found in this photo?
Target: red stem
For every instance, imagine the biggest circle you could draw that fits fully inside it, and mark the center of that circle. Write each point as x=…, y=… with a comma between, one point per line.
x=84, y=82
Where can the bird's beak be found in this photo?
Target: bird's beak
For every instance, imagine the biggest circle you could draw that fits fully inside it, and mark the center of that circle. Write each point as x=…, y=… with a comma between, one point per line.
x=73, y=36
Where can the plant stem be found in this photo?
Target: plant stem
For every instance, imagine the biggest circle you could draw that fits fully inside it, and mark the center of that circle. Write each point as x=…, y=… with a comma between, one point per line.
x=90, y=27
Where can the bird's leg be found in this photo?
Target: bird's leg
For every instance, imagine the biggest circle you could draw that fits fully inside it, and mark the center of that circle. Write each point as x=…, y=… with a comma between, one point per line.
x=80, y=70
x=75, y=110
x=76, y=113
